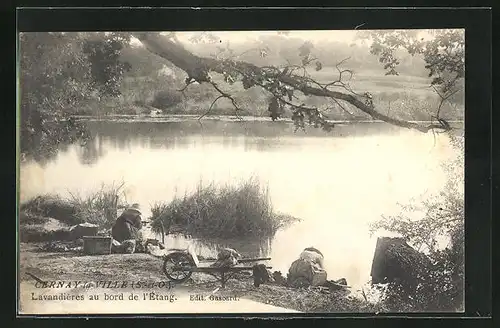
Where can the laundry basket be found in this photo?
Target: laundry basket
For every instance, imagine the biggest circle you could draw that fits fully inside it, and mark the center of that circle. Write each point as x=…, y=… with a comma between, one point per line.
x=97, y=245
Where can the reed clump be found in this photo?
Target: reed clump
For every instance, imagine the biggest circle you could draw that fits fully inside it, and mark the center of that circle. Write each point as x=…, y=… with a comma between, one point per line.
x=221, y=211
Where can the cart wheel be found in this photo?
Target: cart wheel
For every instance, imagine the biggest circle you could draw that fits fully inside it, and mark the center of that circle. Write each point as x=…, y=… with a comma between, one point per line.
x=178, y=259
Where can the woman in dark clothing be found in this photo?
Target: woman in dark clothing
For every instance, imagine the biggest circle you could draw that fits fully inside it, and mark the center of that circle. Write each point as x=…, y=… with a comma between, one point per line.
x=127, y=225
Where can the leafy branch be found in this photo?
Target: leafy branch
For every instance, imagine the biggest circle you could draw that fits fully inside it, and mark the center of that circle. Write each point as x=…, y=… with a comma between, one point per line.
x=281, y=81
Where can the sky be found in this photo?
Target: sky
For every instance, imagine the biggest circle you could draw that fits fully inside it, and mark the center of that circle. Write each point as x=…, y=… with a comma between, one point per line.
x=245, y=36
x=235, y=37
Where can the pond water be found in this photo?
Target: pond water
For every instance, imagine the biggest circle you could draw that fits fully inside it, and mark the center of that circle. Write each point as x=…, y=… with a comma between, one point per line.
x=337, y=182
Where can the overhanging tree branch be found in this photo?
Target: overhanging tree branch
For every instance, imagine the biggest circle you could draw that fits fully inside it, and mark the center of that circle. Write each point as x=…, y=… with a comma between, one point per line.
x=198, y=69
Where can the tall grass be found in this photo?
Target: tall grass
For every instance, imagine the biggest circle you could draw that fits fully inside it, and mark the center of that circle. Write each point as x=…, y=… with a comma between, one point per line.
x=211, y=211
x=162, y=221
x=99, y=207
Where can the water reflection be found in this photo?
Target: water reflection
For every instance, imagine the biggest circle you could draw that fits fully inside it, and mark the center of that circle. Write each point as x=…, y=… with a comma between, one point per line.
x=91, y=151
x=252, y=136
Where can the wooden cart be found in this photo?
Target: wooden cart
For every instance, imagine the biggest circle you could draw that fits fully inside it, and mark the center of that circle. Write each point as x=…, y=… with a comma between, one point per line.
x=179, y=265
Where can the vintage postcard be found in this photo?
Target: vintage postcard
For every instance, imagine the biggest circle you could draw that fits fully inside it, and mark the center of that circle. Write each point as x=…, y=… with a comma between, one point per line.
x=241, y=172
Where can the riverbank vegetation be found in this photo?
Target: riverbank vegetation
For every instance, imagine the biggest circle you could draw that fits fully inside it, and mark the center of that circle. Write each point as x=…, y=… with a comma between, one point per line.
x=99, y=207
x=221, y=211
x=211, y=211
x=438, y=233
x=403, y=96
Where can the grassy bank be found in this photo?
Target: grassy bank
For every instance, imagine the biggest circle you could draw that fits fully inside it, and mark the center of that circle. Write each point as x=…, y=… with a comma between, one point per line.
x=405, y=97
x=212, y=211
x=99, y=207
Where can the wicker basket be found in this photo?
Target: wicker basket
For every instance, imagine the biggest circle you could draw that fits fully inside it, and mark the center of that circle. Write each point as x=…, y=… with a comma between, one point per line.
x=97, y=245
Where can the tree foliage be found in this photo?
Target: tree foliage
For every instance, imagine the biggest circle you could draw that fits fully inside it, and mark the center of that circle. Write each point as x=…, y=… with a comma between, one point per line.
x=58, y=72
x=103, y=53
x=442, y=216
x=443, y=53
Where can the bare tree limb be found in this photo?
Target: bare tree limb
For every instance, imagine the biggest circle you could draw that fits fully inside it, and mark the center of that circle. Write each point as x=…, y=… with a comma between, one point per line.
x=210, y=108
x=187, y=85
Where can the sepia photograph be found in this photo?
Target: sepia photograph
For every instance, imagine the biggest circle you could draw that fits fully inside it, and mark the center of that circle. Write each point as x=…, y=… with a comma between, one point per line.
x=277, y=171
